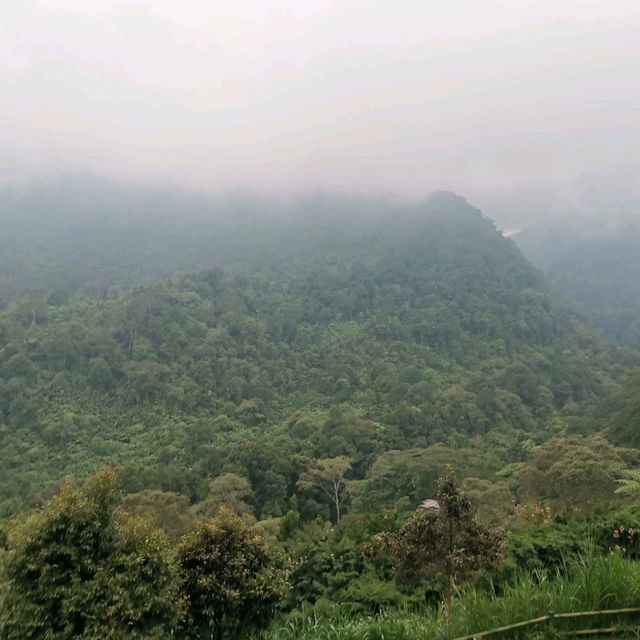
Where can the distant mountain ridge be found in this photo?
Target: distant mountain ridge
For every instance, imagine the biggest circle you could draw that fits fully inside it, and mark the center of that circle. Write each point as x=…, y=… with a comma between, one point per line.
x=596, y=266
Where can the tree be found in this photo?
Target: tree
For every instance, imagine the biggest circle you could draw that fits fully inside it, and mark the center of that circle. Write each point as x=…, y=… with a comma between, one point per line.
x=168, y=510
x=414, y=473
x=80, y=569
x=493, y=499
x=229, y=490
x=328, y=475
x=448, y=541
x=624, y=426
x=572, y=472
x=99, y=373
x=228, y=577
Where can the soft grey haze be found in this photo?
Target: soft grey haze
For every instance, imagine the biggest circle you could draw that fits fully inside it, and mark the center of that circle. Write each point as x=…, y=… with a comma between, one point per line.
x=405, y=95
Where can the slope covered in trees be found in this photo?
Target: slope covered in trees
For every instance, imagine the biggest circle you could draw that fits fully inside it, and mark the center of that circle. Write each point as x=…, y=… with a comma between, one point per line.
x=80, y=234
x=595, y=263
x=585, y=236
x=414, y=328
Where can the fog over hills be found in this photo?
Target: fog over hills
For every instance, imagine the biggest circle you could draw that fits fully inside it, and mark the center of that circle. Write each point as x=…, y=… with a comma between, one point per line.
x=84, y=233
x=281, y=97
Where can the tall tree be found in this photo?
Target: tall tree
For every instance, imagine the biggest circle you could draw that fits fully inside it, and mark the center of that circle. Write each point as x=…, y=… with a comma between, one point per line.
x=328, y=475
x=229, y=490
x=448, y=541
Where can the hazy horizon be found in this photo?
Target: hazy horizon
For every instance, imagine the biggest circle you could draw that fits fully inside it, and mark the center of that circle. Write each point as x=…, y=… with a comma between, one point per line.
x=286, y=97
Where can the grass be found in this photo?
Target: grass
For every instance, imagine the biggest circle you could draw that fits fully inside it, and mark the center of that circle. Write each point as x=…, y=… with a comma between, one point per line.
x=596, y=582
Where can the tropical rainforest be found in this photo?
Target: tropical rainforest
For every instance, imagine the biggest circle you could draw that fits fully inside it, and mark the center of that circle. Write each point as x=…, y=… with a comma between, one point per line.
x=220, y=417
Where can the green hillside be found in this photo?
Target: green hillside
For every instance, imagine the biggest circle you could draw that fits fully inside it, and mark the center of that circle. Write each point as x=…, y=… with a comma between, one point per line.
x=349, y=336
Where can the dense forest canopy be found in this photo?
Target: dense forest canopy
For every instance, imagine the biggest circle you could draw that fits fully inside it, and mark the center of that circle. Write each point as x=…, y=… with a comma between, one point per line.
x=416, y=327
x=319, y=320
x=86, y=234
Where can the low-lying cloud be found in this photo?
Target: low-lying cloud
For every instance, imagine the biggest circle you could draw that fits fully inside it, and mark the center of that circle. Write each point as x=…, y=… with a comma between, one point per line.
x=403, y=96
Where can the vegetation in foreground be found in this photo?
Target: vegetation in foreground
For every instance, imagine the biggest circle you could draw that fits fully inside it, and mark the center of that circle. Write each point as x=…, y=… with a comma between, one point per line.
x=82, y=567
x=596, y=582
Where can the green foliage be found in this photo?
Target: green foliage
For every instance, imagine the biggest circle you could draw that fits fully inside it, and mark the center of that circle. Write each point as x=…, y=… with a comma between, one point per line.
x=168, y=510
x=289, y=524
x=555, y=546
x=493, y=500
x=228, y=577
x=574, y=472
x=630, y=482
x=624, y=424
x=79, y=569
x=343, y=565
x=412, y=474
x=349, y=352
x=328, y=475
x=551, y=547
x=229, y=490
x=595, y=265
x=448, y=540
x=596, y=582
x=342, y=336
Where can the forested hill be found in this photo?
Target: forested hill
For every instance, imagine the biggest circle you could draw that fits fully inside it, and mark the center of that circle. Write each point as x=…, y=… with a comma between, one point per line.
x=596, y=264
x=85, y=235
x=349, y=337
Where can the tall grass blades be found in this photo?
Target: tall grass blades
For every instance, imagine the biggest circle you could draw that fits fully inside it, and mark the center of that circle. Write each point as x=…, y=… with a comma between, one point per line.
x=595, y=582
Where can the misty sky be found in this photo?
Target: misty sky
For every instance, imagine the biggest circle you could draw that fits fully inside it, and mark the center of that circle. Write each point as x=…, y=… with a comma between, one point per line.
x=400, y=95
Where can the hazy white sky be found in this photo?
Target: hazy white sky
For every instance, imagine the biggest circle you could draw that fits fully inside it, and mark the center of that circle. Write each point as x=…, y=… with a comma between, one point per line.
x=404, y=95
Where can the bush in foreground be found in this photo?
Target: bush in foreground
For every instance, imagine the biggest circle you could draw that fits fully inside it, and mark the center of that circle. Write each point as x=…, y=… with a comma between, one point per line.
x=80, y=569
x=228, y=577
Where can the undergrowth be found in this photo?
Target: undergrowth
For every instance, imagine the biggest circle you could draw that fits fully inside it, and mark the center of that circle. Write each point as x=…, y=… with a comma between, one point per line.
x=595, y=582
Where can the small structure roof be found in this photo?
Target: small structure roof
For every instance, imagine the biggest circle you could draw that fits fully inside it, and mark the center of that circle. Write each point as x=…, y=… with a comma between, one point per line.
x=430, y=505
